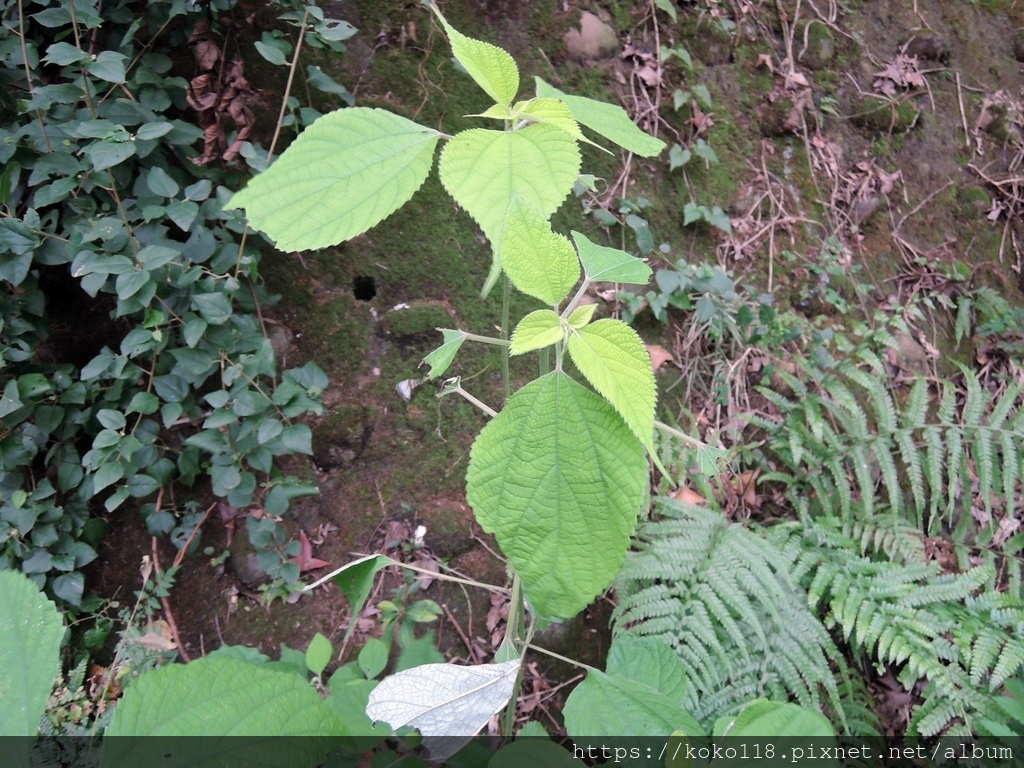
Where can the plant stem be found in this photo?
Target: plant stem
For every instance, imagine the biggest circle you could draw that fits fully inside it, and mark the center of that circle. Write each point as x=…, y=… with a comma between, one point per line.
x=677, y=434
x=478, y=403
x=577, y=298
x=486, y=340
x=560, y=657
x=512, y=627
x=288, y=85
x=28, y=73
x=506, y=301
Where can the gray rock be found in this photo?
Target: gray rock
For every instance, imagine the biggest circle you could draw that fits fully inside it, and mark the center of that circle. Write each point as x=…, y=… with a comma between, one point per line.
x=593, y=40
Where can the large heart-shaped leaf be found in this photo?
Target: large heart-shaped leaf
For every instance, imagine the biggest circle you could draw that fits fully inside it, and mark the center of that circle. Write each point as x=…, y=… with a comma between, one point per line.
x=559, y=479
x=30, y=634
x=222, y=696
x=345, y=173
x=604, y=704
x=483, y=170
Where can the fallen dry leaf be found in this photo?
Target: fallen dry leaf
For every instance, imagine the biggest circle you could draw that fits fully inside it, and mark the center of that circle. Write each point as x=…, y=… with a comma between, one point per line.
x=764, y=60
x=688, y=496
x=305, y=560
x=659, y=355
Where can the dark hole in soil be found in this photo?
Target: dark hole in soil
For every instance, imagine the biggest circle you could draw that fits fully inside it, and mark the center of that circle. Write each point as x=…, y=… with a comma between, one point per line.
x=80, y=326
x=364, y=288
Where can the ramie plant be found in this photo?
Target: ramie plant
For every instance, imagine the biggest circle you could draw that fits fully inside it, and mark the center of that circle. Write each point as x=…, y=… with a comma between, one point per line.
x=559, y=475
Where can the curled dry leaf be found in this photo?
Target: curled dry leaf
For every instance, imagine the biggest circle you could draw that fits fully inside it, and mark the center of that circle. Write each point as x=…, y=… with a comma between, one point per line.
x=659, y=355
x=688, y=496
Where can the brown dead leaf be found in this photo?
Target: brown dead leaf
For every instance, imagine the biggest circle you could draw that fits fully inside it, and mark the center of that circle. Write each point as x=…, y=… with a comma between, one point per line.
x=659, y=355
x=157, y=637
x=688, y=496
x=764, y=60
x=1007, y=527
x=397, y=534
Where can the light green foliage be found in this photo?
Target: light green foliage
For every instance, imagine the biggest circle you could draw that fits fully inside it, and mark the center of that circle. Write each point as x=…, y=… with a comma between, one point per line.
x=559, y=475
x=608, y=120
x=606, y=704
x=348, y=171
x=31, y=631
x=441, y=358
x=601, y=263
x=537, y=261
x=537, y=330
x=559, y=479
x=774, y=719
x=318, y=654
x=491, y=67
x=217, y=697
x=484, y=170
x=614, y=360
x=722, y=598
x=553, y=112
x=580, y=316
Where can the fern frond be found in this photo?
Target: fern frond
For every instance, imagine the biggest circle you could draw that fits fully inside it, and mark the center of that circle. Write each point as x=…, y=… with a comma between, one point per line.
x=741, y=627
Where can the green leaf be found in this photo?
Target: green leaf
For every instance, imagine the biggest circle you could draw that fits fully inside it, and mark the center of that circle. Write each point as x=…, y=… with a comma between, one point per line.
x=107, y=154
x=214, y=307
x=345, y=173
x=271, y=53
x=607, y=703
x=183, y=213
x=763, y=719
x=614, y=360
x=154, y=131
x=31, y=630
x=642, y=230
x=610, y=265
x=668, y=7
x=130, y=283
x=678, y=157
x=63, y=54
x=553, y=112
x=582, y=315
x=492, y=68
x=559, y=479
x=356, y=581
x=483, y=170
x=161, y=183
x=648, y=660
x=608, y=120
x=693, y=212
x=318, y=654
x=373, y=658
x=220, y=696
x=539, y=262
x=535, y=331
x=716, y=217
x=109, y=66
x=442, y=357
